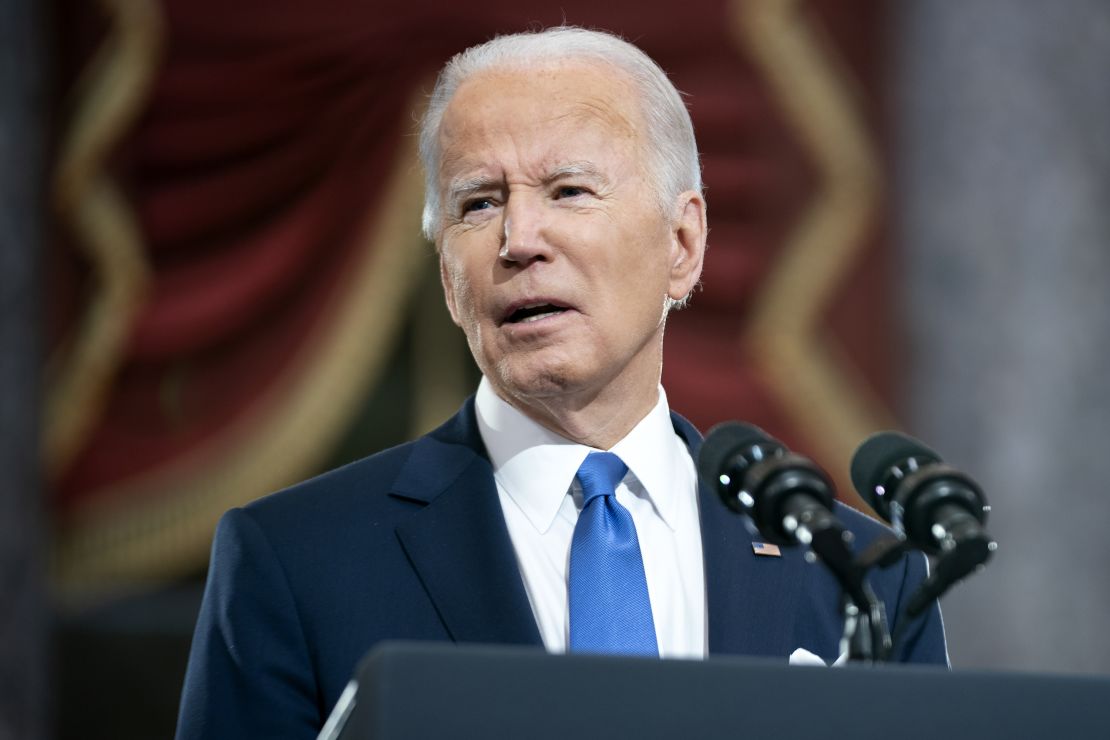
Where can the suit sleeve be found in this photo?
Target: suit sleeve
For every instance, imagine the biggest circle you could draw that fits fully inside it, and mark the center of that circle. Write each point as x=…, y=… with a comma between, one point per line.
x=249, y=673
x=922, y=639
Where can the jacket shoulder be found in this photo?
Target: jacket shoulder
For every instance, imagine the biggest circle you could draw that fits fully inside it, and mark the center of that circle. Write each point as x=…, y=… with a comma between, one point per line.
x=359, y=485
x=375, y=488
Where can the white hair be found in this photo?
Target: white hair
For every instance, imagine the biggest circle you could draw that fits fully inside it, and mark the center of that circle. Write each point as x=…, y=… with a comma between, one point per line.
x=670, y=134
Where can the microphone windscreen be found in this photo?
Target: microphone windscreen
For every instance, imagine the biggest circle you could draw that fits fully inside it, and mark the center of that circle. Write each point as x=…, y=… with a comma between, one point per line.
x=724, y=441
x=878, y=454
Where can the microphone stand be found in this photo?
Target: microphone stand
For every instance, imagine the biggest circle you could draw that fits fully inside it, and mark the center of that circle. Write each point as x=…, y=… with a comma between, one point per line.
x=960, y=558
x=866, y=639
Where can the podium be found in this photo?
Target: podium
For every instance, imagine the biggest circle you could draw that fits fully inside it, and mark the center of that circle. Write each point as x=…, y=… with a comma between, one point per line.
x=433, y=690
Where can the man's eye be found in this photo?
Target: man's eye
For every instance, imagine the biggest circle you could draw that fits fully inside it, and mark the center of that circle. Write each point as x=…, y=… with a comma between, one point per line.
x=478, y=204
x=569, y=191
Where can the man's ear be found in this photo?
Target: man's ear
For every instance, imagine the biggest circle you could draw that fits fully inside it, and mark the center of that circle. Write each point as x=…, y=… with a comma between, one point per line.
x=448, y=285
x=688, y=235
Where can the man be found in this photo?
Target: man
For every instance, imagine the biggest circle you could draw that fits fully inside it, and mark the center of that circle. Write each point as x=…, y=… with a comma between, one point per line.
x=564, y=198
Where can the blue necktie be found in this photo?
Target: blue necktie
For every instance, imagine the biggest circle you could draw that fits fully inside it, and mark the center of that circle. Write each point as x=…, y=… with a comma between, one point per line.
x=609, y=607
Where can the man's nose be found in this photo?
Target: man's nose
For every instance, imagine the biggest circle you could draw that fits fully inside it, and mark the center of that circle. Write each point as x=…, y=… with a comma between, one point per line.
x=525, y=231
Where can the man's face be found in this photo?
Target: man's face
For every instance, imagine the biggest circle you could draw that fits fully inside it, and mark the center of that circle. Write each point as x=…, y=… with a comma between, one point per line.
x=555, y=253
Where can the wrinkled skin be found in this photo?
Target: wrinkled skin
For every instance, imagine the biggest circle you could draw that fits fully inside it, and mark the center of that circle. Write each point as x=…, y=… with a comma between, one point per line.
x=549, y=206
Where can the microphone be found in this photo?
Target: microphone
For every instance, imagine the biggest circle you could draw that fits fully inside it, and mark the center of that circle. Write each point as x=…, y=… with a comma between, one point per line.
x=935, y=505
x=786, y=496
x=939, y=509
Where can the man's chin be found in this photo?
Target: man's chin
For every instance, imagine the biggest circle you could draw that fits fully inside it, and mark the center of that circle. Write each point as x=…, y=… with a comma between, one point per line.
x=546, y=382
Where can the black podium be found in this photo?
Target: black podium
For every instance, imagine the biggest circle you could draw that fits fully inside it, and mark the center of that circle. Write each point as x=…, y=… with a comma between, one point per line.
x=425, y=690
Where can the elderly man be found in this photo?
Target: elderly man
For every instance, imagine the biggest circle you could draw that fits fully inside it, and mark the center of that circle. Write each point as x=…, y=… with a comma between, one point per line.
x=560, y=507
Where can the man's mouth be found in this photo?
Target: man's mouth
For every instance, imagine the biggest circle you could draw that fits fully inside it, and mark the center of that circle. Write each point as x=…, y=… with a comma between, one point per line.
x=532, y=312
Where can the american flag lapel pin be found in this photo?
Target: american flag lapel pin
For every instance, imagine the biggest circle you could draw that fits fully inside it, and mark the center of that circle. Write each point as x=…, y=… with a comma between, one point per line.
x=766, y=549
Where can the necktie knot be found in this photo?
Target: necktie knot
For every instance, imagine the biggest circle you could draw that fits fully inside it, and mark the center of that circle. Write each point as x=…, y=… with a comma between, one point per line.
x=599, y=474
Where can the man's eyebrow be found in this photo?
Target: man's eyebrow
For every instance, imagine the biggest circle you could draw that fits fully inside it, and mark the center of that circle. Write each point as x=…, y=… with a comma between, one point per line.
x=462, y=189
x=575, y=169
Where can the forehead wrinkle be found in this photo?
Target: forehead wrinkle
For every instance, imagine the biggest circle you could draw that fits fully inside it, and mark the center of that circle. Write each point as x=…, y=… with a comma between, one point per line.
x=616, y=115
x=605, y=112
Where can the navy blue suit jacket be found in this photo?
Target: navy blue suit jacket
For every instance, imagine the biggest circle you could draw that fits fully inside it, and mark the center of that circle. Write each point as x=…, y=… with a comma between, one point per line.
x=411, y=543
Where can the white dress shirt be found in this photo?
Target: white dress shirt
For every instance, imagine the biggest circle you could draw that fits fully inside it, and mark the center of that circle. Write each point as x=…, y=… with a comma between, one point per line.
x=534, y=469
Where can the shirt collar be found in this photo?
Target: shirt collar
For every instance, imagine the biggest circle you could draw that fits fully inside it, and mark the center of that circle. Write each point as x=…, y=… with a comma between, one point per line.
x=536, y=467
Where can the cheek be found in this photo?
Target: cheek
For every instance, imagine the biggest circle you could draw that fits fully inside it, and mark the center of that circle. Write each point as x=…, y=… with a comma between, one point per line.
x=467, y=297
x=642, y=262
x=464, y=297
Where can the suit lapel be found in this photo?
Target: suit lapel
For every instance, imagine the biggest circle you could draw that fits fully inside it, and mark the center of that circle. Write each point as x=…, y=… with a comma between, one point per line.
x=460, y=549
x=458, y=543
x=751, y=600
